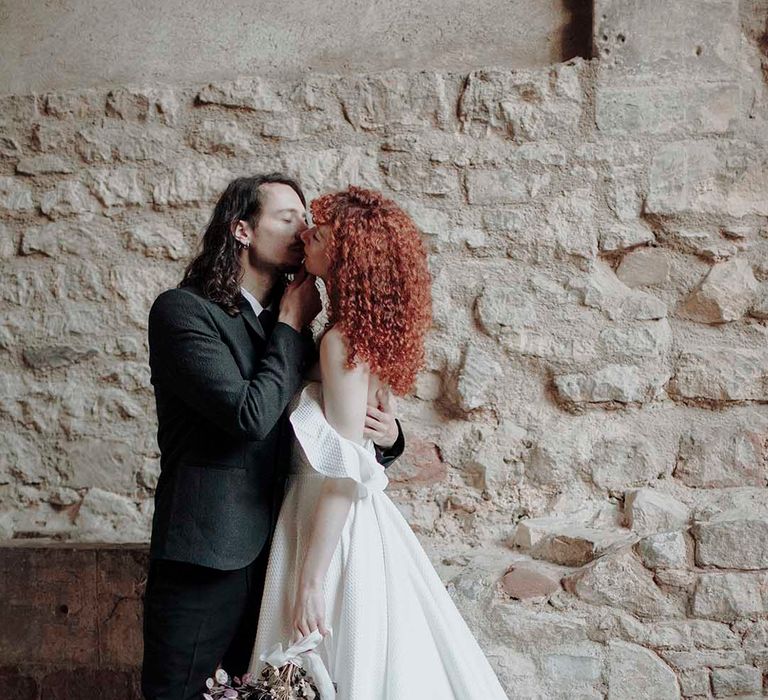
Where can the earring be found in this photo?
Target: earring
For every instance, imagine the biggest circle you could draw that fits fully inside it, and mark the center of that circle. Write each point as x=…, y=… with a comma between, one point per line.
x=244, y=244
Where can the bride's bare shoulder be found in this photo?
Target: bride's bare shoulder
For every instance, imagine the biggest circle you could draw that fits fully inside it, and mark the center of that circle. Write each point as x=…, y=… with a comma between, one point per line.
x=333, y=344
x=334, y=350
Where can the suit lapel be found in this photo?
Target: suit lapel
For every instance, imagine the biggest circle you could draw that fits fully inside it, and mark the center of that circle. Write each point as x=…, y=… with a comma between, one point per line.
x=250, y=318
x=249, y=315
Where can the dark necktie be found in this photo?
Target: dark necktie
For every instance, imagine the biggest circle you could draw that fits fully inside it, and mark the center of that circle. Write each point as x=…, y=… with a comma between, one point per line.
x=267, y=320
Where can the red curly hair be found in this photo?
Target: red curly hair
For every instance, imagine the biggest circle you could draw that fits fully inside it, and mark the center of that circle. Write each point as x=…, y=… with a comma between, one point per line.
x=378, y=283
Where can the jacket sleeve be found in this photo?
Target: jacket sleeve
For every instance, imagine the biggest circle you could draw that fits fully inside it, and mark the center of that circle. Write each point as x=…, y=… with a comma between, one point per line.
x=186, y=351
x=386, y=456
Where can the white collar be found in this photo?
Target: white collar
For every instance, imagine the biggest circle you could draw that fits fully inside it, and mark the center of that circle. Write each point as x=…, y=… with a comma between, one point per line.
x=252, y=300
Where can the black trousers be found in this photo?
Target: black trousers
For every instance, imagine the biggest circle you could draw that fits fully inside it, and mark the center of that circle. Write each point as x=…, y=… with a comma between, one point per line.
x=195, y=618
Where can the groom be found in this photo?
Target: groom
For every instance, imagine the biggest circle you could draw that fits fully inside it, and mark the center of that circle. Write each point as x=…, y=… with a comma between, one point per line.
x=227, y=350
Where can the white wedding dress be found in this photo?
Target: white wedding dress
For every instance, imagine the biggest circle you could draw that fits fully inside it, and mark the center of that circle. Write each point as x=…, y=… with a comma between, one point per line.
x=396, y=633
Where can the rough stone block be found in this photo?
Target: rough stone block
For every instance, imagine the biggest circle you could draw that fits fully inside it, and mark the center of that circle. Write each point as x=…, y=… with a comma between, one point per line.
x=603, y=290
x=44, y=165
x=323, y=170
x=648, y=511
x=727, y=682
x=156, y=240
x=15, y=196
x=613, y=383
x=68, y=198
x=525, y=105
x=729, y=596
x=253, y=94
x=619, y=463
x=620, y=581
x=562, y=542
x=501, y=187
x=720, y=374
x=723, y=178
x=666, y=550
x=723, y=455
x=636, y=672
x=395, y=101
x=223, y=137
x=191, y=182
x=726, y=293
x=733, y=540
x=646, y=37
x=644, y=267
x=117, y=187
x=681, y=108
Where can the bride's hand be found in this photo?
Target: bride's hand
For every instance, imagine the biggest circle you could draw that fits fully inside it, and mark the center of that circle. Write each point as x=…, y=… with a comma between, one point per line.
x=308, y=612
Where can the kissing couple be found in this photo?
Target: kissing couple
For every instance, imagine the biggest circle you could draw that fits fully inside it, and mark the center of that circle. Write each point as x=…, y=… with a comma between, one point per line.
x=272, y=525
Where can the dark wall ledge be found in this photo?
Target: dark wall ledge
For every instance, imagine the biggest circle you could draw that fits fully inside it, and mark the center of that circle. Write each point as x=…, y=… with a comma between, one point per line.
x=70, y=620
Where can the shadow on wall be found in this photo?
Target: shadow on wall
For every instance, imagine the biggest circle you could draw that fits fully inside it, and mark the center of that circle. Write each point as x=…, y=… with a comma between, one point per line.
x=576, y=38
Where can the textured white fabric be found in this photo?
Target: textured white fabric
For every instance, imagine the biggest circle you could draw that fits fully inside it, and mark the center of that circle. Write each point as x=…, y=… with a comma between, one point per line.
x=397, y=635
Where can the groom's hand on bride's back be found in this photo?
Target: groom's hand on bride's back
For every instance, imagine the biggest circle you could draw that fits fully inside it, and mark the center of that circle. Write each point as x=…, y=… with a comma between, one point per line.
x=301, y=301
x=380, y=424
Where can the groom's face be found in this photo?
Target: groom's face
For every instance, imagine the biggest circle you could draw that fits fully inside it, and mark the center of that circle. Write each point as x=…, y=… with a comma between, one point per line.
x=275, y=238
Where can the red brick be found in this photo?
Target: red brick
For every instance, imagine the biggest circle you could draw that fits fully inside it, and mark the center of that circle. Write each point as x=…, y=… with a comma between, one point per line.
x=420, y=465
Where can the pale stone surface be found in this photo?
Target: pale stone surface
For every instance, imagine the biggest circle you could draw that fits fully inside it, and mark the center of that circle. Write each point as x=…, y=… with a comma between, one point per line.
x=396, y=101
x=733, y=540
x=727, y=682
x=479, y=372
x=649, y=511
x=643, y=267
x=117, y=187
x=156, y=240
x=664, y=109
x=14, y=196
x=665, y=550
x=631, y=461
x=44, y=164
x=639, y=673
x=224, y=137
x=68, y=198
x=191, y=182
x=621, y=383
x=603, y=290
x=105, y=512
x=248, y=93
x=614, y=237
x=721, y=455
x=726, y=293
x=721, y=374
x=728, y=596
x=698, y=177
x=619, y=580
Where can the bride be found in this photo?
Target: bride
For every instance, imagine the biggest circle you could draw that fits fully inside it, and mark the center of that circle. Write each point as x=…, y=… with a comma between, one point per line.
x=344, y=563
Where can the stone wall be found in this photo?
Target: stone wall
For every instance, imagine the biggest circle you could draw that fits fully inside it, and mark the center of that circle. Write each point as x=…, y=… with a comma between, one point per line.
x=588, y=444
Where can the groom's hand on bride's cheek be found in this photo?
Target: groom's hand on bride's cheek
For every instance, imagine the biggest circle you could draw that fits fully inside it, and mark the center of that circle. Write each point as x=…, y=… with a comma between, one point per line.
x=380, y=424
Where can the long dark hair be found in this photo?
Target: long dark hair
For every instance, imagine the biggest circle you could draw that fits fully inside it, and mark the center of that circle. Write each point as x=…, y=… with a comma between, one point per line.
x=217, y=270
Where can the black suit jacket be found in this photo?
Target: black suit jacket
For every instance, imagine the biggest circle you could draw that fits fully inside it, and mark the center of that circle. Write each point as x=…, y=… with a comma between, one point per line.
x=221, y=387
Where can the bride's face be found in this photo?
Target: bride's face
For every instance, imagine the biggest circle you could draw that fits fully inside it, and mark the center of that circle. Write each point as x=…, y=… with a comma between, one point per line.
x=316, y=253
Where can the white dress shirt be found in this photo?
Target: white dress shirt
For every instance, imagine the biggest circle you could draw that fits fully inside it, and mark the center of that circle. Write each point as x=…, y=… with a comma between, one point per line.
x=253, y=301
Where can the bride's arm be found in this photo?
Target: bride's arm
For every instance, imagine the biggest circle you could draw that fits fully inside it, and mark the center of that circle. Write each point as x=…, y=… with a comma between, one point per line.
x=345, y=402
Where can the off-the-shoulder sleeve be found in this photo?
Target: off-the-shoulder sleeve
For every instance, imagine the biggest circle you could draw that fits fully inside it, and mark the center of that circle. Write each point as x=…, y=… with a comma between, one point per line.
x=328, y=452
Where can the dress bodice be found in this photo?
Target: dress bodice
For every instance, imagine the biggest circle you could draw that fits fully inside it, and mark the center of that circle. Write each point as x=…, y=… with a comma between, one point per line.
x=317, y=449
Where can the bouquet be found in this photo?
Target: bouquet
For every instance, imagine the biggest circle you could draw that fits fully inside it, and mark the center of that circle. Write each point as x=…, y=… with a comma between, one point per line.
x=298, y=673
